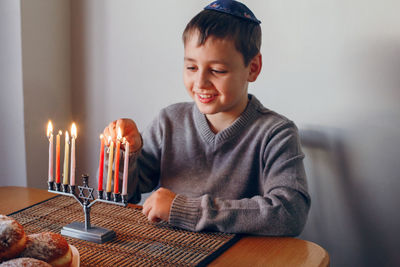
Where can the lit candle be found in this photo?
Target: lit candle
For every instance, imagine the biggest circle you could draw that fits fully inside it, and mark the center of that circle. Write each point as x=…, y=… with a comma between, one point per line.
x=58, y=157
x=50, y=136
x=116, y=170
x=101, y=163
x=126, y=163
x=66, y=158
x=73, y=136
x=110, y=164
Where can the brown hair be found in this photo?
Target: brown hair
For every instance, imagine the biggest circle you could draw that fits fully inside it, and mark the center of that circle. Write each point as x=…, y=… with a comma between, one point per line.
x=245, y=34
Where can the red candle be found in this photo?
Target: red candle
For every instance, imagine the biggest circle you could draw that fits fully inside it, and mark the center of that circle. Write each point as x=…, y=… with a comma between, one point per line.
x=116, y=169
x=101, y=163
x=58, y=157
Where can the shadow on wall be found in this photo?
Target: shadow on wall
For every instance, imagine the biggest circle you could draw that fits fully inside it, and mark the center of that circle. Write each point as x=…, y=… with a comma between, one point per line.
x=88, y=91
x=339, y=219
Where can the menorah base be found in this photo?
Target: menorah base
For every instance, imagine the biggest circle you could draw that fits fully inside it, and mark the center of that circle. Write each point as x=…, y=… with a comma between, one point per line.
x=93, y=234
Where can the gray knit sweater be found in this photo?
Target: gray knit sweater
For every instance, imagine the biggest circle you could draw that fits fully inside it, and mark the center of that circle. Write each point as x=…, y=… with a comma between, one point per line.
x=248, y=178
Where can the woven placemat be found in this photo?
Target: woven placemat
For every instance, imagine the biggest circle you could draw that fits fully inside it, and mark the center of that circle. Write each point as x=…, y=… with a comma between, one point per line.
x=138, y=242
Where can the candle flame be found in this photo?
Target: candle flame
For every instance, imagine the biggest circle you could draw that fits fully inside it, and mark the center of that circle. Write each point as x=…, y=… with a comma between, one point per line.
x=49, y=129
x=60, y=132
x=73, y=130
x=119, y=134
x=101, y=136
x=66, y=136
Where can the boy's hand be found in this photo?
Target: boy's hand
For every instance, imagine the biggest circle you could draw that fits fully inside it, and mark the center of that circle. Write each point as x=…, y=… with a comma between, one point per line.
x=128, y=130
x=157, y=206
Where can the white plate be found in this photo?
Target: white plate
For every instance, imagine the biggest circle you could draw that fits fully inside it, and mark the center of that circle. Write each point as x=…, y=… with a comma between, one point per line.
x=75, y=257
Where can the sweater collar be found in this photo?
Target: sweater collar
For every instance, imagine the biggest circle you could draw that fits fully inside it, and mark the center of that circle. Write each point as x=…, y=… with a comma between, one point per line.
x=248, y=115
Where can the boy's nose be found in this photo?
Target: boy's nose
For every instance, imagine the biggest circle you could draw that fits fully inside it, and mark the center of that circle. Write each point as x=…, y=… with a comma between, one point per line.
x=202, y=81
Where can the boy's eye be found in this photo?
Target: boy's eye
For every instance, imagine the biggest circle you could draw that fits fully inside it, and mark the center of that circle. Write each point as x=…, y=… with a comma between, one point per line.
x=190, y=68
x=219, y=71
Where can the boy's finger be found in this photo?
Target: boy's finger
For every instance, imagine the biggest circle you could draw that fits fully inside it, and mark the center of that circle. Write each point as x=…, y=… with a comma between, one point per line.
x=106, y=134
x=146, y=210
x=146, y=207
x=112, y=130
x=120, y=124
x=153, y=218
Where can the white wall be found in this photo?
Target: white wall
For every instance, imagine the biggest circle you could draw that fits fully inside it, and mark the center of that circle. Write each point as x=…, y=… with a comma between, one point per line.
x=46, y=59
x=12, y=142
x=35, y=82
x=333, y=67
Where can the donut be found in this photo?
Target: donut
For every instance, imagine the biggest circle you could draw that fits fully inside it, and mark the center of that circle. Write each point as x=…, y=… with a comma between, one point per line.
x=49, y=247
x=12, y=238
x=24, y=262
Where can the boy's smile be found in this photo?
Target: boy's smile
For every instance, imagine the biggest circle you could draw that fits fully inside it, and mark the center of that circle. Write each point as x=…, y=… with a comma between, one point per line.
x=216, y=78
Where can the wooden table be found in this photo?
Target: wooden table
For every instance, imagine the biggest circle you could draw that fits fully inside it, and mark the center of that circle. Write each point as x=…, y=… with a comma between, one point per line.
x=248, y=251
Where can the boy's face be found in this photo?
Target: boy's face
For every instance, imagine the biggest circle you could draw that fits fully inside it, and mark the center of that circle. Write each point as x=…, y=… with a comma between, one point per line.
x=215, y=76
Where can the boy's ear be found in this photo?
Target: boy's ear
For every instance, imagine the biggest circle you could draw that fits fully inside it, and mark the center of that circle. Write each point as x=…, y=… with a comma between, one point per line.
x=255, y=68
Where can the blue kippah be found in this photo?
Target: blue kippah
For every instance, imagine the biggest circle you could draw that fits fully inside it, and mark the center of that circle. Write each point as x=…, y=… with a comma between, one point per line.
x=233, y=8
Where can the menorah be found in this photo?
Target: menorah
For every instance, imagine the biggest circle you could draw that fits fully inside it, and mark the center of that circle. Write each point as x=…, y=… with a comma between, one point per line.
x=86, y=199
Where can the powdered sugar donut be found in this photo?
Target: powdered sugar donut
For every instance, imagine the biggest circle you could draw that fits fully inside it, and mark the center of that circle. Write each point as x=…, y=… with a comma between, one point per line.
x=25, y=262
x=12, y=238
x=49, y=247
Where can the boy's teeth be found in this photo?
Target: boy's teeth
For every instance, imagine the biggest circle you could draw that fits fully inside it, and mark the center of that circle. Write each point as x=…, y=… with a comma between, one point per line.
x=205, y=96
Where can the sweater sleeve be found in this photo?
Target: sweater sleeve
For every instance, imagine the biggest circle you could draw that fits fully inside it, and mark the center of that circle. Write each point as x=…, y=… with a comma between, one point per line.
x=280, y=209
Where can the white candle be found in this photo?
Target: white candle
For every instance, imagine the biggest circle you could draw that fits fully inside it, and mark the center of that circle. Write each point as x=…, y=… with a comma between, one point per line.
x=126, y=166
x=50, y=136
x=73, y=135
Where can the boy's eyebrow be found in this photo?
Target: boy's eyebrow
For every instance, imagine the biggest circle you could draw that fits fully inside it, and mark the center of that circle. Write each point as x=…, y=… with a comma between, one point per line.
x=211, y=61
x=188, y=59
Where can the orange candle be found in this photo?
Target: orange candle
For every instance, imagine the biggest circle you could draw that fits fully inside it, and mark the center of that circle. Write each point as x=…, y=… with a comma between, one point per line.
x=58, y=157
x=101, y=163
x=116, y=170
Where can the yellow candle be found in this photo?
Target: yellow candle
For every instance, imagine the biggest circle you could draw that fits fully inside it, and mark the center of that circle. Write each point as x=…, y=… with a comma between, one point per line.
x=110, y=164
x=66, y=158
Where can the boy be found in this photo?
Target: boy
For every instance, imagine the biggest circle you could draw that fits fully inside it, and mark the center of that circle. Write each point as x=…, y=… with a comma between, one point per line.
x=224, y=162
